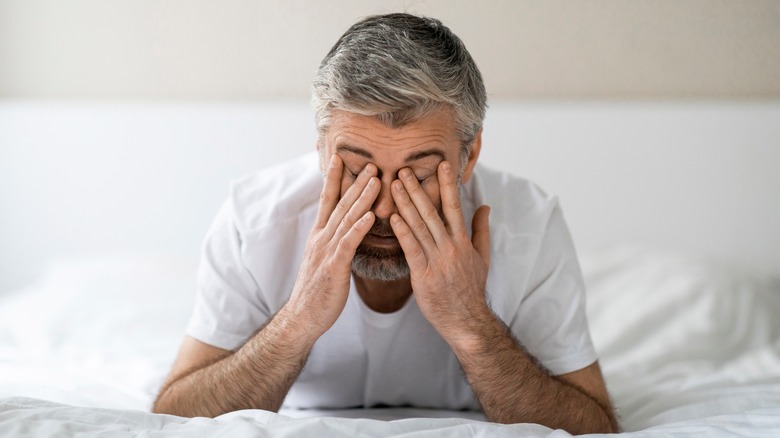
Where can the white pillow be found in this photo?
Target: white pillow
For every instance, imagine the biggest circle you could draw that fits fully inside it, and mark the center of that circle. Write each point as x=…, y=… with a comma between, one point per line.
x=674, y=331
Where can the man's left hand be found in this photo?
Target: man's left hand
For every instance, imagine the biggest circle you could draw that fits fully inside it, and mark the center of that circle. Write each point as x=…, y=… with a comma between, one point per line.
x=448, y=270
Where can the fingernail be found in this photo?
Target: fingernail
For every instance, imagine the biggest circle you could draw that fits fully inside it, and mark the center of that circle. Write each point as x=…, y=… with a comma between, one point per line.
x=399, y=187
x=333, y=160
x=445, y=167
x=371, y=182
x=406, y=173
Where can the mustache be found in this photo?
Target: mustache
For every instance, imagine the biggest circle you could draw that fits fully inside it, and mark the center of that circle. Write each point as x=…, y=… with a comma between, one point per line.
x=382, y=227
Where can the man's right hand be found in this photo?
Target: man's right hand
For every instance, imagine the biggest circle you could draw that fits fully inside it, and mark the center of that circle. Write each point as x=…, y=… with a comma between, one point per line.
x=322, y=286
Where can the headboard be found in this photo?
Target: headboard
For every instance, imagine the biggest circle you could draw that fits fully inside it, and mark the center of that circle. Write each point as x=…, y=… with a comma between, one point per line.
x=81, y=179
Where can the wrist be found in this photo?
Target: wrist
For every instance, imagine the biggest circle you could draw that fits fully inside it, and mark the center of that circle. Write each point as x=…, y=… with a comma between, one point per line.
x=295, y=325
x=477, y=333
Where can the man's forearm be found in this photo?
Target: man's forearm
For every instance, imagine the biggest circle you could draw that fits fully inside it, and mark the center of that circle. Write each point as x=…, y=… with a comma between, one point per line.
x=257, y=376
x=513, y=388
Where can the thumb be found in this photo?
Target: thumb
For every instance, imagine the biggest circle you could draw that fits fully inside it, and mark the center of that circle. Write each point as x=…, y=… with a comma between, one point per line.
x=480, y=232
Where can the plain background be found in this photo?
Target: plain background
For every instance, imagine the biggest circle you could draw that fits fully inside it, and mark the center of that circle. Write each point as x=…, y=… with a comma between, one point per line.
x=260, y=49
x=121, y=122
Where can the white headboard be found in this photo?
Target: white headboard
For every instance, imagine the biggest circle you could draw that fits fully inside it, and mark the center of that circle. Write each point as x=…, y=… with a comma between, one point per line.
x=87, y=179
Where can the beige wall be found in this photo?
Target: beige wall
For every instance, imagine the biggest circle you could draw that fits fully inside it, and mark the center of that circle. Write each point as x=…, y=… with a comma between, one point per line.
x=249, y=49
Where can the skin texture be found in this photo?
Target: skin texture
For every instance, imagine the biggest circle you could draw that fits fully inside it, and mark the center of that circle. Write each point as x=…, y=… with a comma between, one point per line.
x=406, y=177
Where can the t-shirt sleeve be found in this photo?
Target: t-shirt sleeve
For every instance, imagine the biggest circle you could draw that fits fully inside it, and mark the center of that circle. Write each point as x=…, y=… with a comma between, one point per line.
x=228, y=305
x=553, y=324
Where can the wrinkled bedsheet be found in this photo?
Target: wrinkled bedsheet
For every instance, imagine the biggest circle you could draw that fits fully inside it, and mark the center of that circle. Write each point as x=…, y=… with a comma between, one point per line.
x=687, y=346
x=23, y=417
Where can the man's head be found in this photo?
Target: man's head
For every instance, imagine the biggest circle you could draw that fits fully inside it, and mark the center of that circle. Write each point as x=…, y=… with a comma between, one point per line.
x=398, y=91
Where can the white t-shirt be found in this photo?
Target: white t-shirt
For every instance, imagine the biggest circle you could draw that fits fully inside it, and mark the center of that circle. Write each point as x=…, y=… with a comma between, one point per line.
x=252, y=253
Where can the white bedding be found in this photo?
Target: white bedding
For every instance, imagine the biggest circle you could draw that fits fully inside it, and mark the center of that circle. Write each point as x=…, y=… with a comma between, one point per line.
x=687, y=347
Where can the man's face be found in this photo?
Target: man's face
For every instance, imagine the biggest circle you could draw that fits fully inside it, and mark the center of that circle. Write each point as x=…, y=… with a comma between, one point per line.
x=420, y=146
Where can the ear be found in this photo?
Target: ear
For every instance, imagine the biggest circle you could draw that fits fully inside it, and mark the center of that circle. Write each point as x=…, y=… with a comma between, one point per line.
x=476, y=147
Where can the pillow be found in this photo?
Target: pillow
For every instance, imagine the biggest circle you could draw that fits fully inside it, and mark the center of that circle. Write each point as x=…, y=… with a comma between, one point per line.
x=671, y=329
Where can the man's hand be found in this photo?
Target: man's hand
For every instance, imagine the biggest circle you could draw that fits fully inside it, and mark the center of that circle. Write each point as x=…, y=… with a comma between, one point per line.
x=448, y=273
x=322, y=286
x=448, y=270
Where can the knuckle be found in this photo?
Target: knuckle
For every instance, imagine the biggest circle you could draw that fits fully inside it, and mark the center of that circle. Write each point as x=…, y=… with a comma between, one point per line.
x=430, y=214
x=450, y=252
x=403, y=231
x=341, y=207
x=348, y=220
x=344, y=244
x=315, y=244
x=420, y=227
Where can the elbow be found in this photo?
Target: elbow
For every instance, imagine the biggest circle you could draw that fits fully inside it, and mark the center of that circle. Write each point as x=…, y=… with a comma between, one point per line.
x=164, y=405
x=611, y=420
x=605, y=422
x=161, y=407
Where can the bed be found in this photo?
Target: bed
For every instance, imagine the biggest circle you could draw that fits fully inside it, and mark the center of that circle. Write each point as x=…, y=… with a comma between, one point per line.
x=91, y=318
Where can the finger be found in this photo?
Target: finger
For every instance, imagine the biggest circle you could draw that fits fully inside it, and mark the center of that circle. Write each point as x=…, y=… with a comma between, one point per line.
x=423, y=205
x=480, y=232
x=349, y=242
x=330, y=191
x=413, y=251
x=450, y=200
x=359, y=208
x=412, y=218
x=350, y=196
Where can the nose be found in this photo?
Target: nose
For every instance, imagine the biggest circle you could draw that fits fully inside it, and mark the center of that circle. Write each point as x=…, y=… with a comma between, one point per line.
x=384, y=205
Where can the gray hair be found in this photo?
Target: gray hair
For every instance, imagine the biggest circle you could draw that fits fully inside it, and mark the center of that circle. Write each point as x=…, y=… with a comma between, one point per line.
x=401, y=68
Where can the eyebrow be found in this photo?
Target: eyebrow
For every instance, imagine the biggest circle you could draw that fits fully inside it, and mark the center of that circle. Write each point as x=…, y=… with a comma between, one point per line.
x=413, y=157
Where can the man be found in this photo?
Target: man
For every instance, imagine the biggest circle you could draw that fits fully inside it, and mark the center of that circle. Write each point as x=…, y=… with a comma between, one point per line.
x=392, y=299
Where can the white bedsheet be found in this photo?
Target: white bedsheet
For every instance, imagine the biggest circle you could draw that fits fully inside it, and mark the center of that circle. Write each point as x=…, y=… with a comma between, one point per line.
x=37, y=418
x=687, y=347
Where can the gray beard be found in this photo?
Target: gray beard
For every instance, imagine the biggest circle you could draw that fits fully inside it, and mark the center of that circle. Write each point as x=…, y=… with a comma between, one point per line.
x=380, y=263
